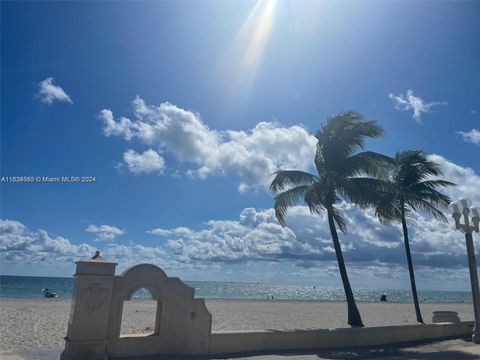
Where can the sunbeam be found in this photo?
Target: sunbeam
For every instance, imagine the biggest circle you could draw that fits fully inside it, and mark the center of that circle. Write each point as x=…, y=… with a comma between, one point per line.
x=250, y=44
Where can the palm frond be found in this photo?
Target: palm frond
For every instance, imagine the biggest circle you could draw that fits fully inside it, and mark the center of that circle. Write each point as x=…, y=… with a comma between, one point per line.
x=388, y=211
x=345, y=133
x=320, y=163
x=414, y=167
x=427, y=206
x=315, y=197
x=286, y=199
x=366, y=163
x=431, y=184
x=342, y=225
x=365, y=191
x=287, y=178
x=435, y=197
x=411, y=176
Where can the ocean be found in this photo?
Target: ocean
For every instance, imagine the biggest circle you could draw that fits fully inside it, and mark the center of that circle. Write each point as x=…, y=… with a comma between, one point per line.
x=31, y=287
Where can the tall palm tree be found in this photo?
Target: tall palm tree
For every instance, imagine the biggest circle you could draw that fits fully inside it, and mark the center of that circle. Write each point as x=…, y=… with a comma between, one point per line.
x=344, y=172
x=410, y=187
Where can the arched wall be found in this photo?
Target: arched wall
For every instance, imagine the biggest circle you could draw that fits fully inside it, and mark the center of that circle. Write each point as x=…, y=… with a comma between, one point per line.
x=182, y=325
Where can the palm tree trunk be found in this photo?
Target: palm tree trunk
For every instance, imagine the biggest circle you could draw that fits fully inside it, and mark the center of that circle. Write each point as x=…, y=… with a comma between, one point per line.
x=410, y=266
x=354, y=318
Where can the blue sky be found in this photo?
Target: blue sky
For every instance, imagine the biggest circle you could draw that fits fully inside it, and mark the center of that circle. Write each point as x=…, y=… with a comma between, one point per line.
x=218, y=95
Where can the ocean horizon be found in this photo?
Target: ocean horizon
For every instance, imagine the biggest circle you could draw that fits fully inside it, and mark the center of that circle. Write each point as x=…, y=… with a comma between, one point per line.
x=31, y=287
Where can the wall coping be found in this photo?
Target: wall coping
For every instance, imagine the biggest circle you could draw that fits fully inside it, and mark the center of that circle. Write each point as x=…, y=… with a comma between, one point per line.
x=368, y=328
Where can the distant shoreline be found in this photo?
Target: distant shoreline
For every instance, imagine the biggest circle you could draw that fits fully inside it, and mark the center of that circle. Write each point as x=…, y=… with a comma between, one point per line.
x=72, y=277
x=255, y=300
x=31, y=288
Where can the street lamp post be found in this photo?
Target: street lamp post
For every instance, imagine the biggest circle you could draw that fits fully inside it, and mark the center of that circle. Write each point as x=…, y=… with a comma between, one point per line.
x=459, y=208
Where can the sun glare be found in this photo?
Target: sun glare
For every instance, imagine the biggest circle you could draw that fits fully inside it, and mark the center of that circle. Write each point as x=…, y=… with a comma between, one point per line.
x=255, y=32
x=250, y=43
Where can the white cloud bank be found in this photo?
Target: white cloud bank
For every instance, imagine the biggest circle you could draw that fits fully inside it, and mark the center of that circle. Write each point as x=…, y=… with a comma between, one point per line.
x=256, y=235
x=105, y=232
x=411, y=102
x=20, y=245
x=253, y=155
x=48, y=92
x=472, y=136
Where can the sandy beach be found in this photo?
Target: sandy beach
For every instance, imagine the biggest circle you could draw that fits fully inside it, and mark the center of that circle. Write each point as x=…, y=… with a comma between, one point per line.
x=28, y=324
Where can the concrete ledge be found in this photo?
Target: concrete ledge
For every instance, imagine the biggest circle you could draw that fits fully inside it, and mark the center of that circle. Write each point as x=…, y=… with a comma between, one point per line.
x=445, y=316
x=266, y=340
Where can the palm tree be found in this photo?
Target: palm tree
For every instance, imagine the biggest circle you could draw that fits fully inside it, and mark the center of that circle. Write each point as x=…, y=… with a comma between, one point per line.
x=343, y=173
x=410, y=187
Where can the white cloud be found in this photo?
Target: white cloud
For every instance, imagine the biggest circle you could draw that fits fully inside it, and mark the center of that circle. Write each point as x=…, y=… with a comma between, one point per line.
x=22, y=246
x=472, y=136
x=129, y=255
x=105, y=232
x=147, y=162
x=467, y=180
x=19, y=244
x=415, y=103
x=48, y=92
x=159, y=232
x=252, y=155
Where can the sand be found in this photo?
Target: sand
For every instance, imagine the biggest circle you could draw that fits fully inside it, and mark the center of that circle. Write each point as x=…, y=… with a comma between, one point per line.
x=28, y=324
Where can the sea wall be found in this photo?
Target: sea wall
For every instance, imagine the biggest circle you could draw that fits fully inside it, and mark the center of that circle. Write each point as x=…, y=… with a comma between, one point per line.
x=267, y=340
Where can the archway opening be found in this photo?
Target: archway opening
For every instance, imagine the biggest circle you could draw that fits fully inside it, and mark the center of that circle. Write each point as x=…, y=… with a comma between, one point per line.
x=139, y=315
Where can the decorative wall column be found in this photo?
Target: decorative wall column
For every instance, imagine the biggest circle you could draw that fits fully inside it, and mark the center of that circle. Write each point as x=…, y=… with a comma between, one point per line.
x=87, y=334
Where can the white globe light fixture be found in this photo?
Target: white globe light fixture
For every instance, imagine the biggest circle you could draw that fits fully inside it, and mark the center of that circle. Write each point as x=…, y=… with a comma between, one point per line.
x=462, y=207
